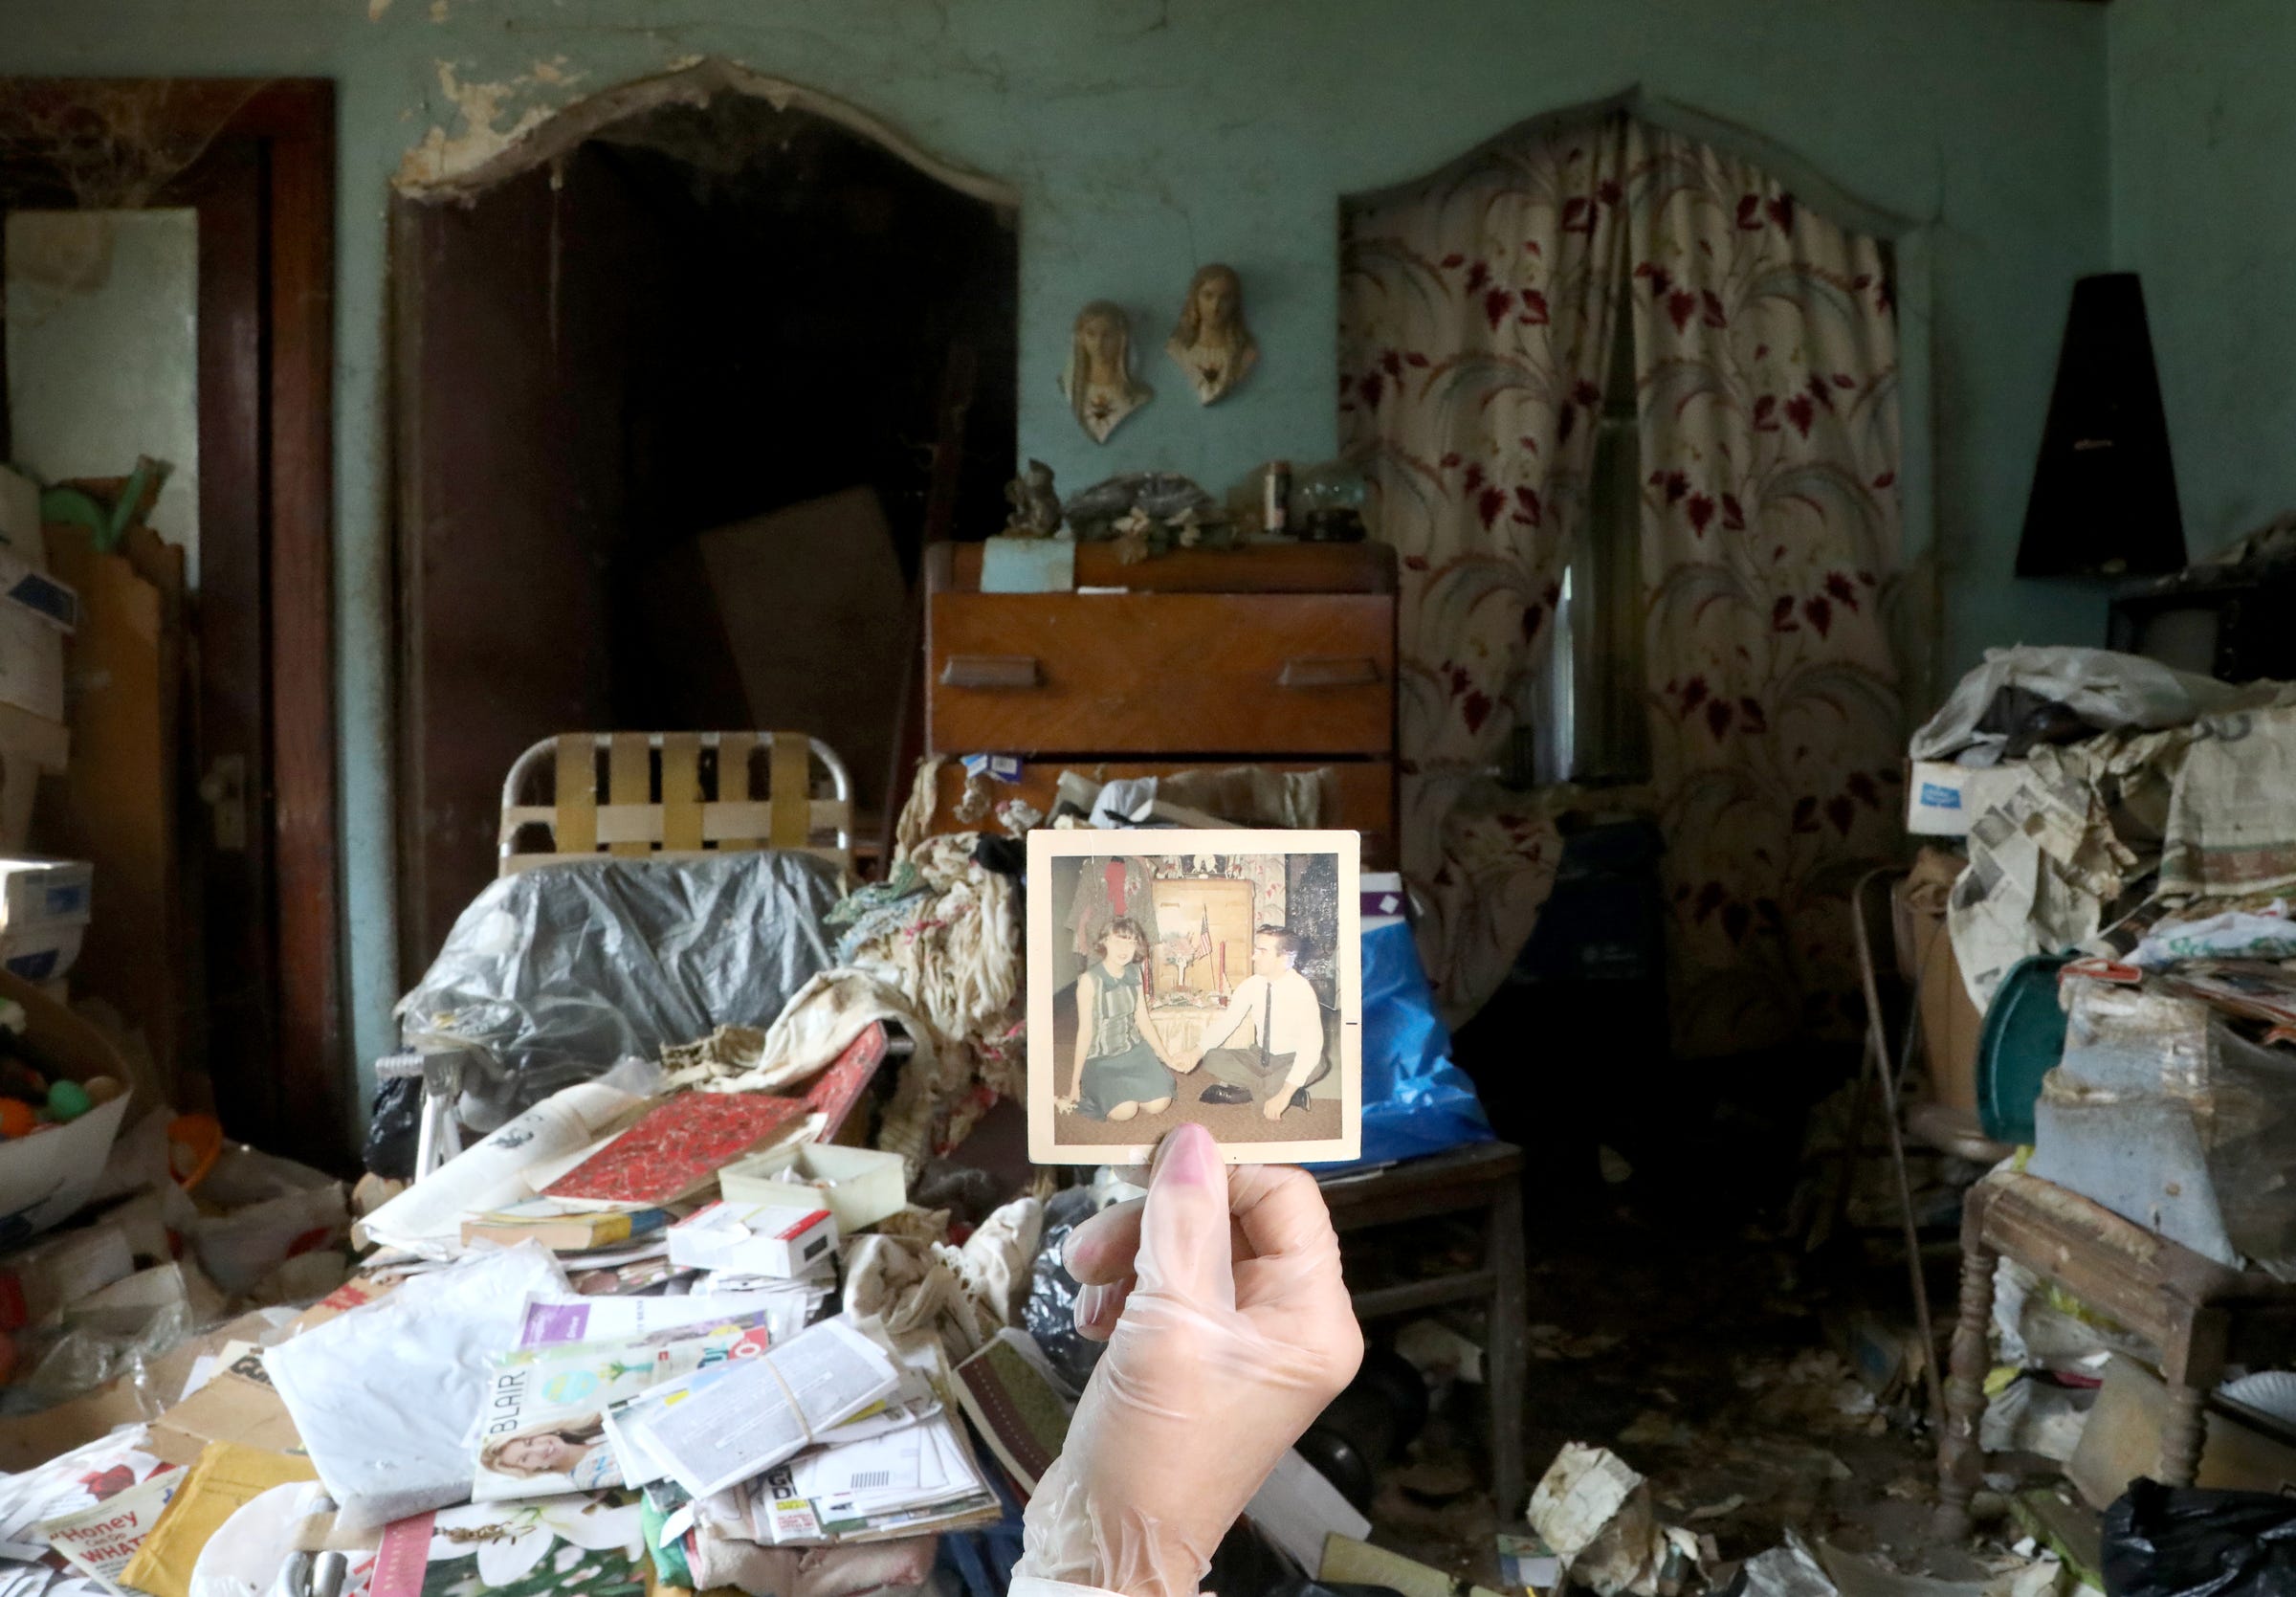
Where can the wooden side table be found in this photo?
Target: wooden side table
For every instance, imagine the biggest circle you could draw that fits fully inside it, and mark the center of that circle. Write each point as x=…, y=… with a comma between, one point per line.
x=2201, y=1314
x=1485, y=1176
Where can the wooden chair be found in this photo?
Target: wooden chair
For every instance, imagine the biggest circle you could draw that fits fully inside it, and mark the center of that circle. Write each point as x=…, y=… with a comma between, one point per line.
x=2201, y=1314
x=674, y=795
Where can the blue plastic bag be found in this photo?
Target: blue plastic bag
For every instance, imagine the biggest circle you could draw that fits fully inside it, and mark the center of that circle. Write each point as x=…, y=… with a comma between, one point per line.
x=1415, y=1100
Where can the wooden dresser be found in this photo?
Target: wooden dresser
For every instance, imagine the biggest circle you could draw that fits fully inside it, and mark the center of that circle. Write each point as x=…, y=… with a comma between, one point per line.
x=1281, y=656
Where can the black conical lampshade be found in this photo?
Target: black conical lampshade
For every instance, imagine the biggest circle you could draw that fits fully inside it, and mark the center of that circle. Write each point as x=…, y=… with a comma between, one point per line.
x=2104, y=492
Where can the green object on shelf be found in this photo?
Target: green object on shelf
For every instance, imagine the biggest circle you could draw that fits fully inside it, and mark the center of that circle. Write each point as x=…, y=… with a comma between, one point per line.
x=76, y=507
x=2021, y=1041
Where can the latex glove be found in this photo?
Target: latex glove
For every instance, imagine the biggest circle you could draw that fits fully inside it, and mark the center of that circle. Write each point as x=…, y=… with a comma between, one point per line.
x=1228, y=1331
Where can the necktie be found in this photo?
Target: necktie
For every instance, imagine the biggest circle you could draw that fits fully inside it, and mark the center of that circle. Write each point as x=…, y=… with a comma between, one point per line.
x=1267, y=998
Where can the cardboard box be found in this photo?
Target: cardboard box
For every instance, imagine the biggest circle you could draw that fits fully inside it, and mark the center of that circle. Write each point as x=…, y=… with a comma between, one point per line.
x=119, y=800
x=753, y=1239
x=30, y=748
x=1944, y=800
x=1950, y=1023
x=2122, y=1441
x=858, y=1187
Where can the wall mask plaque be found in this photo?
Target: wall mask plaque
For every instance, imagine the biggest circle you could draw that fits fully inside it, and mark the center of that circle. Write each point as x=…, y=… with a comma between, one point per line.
x=1211, y=343
x=1098, y=381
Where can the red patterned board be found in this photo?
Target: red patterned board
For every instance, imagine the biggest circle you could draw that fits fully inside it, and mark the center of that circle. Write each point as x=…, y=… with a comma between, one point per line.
x=677, y=1147
x=838, y=1088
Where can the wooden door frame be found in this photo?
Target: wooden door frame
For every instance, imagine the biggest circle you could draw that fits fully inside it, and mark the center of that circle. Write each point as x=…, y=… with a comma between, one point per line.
x=292, y=477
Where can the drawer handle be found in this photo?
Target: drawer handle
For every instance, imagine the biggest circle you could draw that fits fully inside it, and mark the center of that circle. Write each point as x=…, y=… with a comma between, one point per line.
x=1355, y=672
x=990, y=670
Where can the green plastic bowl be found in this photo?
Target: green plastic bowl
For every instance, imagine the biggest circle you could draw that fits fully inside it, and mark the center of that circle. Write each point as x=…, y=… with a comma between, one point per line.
x=2021, y=1041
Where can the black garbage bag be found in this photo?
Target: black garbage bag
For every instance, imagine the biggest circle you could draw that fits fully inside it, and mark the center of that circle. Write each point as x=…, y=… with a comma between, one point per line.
x=396, y=1128
x=1050, y=1314
x=2184, y=1541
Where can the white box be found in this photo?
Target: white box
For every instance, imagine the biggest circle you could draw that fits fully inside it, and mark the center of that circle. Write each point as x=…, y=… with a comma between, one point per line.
x=35, y=888
x=859, y=1187
x=42, y=950
x=31, y=663
x=753, y=1239
x=1944, y=800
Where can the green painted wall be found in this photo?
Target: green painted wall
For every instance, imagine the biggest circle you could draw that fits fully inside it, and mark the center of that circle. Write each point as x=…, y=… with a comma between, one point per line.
x=1147, y=136
x=2204, y=206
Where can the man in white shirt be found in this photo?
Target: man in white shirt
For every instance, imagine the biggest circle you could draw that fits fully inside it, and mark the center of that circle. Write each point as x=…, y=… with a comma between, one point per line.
x=1285, y=1055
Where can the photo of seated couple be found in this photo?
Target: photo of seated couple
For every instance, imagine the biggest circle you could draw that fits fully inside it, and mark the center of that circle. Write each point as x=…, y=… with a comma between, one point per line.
x=1199, y=987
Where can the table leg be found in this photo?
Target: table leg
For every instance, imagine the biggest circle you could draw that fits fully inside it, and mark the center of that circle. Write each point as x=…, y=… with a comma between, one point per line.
x=2193, y=1363
x=1508, y=1351
x=1961, y=1461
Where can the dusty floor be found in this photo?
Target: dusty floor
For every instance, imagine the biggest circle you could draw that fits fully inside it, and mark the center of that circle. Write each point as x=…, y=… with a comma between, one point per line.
x=1703, y=1361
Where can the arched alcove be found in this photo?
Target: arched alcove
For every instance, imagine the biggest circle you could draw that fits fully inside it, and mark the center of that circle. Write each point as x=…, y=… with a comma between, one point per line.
x=684, y=379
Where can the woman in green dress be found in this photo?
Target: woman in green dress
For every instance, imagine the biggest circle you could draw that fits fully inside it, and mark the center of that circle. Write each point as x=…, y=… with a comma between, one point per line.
x=1120, y=1067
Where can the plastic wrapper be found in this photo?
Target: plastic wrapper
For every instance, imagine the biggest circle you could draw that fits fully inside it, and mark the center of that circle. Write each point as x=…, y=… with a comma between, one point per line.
x=1415, y=1100
x=386, y=1397
x=273, y=1208
x=2183, y=1542
x=1050, y=1314
x=552, y=975
x=2167, y=1116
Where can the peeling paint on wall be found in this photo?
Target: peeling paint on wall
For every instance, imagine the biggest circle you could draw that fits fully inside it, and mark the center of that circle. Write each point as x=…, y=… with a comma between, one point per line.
x=442, y=157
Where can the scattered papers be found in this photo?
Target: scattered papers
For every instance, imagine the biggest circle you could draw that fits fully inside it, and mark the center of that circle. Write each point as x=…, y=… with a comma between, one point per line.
x=99, y=1542
x=543, y=1428
x=720, y=1426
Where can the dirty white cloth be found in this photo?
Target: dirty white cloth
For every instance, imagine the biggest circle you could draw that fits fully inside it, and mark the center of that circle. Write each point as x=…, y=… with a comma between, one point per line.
x=819, y=1021
x=386, y=1396
x=843, y=1571
x=2231, y=821
x=2109, y=690
x=903, y=1292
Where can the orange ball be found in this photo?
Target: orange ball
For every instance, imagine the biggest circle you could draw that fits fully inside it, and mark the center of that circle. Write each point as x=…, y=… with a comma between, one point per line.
x=16, y=1117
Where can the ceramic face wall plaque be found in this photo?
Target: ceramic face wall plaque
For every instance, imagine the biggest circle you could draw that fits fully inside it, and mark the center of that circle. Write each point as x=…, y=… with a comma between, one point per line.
x=1097, y=379
x=1211, y=343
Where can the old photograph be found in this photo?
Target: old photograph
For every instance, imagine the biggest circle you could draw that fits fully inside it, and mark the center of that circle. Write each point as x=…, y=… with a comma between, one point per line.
x=1205, y=976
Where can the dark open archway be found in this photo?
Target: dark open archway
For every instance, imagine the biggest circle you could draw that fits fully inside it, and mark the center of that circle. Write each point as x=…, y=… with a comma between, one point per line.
x=625, y=356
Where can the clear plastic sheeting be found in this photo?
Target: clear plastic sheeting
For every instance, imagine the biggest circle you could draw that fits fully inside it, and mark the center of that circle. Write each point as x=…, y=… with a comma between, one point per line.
x=2168, y=1117
x=2104, y=689
x=552, y=975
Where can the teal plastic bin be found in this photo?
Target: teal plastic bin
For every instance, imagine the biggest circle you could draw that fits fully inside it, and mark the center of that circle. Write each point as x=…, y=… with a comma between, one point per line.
x=2021, y=1041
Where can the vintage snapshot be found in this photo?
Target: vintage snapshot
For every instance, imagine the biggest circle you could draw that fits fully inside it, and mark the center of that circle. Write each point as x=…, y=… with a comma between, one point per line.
x=1205, y=976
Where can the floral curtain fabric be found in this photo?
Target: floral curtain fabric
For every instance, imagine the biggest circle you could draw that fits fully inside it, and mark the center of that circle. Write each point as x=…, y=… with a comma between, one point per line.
x=1767, y=373
x=1476, y=312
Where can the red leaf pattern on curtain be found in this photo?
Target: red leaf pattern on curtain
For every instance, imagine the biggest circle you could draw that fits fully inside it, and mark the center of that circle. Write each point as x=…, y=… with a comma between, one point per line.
x=1776, y=780
x=1496, y=279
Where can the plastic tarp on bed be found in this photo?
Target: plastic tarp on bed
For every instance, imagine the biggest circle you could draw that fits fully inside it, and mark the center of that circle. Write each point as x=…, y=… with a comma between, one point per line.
x=552, y=975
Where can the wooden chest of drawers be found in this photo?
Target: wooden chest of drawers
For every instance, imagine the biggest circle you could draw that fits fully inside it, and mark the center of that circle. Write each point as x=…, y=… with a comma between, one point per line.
x=1282, y=656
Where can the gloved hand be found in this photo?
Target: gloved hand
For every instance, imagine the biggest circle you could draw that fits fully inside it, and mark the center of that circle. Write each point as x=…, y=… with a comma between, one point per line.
x=1228, y=1331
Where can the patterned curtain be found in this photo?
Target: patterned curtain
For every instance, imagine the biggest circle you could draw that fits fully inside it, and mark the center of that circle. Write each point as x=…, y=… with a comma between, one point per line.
x=1766, y=358
x=1476, y=314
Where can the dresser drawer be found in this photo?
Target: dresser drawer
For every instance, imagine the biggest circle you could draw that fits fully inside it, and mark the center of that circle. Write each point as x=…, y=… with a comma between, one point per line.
x=1362, y=794
x=1270, y=673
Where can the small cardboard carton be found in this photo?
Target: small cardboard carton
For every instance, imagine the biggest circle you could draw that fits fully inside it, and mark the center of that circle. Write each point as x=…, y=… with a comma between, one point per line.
x=784, y=1240
x=1944, y=800
x=857, y=1185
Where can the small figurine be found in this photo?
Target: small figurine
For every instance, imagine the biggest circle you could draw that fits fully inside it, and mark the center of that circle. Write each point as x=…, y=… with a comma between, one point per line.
x=1036, y=506
x=1211, y=343
x=1098, y=381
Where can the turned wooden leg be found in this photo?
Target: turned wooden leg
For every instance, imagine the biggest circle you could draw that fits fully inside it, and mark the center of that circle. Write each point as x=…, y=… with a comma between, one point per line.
x=2193, y=1363
x=1960, y=1463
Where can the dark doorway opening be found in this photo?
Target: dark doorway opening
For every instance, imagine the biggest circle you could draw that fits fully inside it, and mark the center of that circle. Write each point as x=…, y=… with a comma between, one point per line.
x=679, y=410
